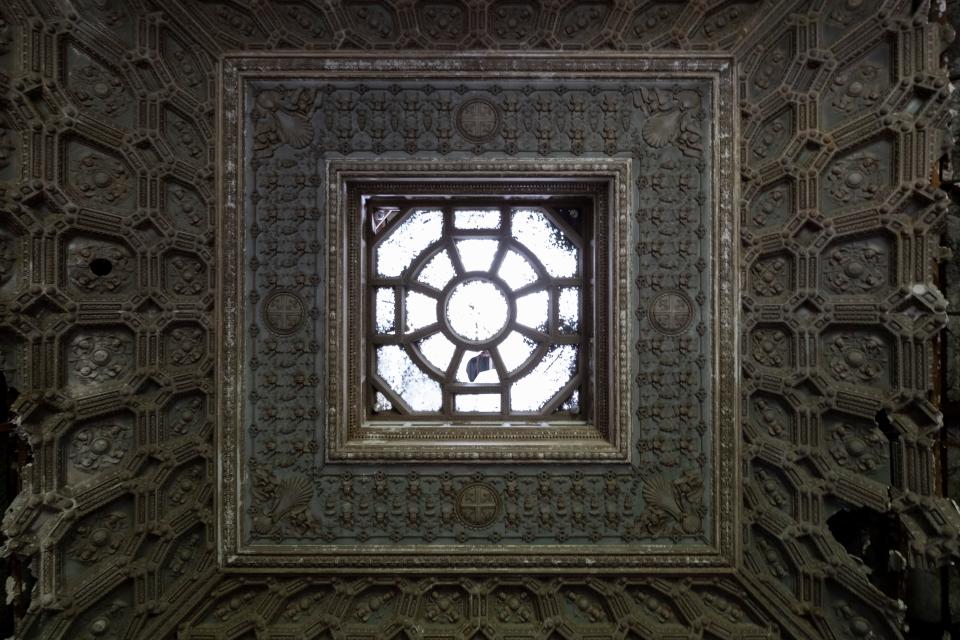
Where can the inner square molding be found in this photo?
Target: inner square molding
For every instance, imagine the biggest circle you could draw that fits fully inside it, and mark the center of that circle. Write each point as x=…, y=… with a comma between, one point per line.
x=299, y=488
x=605, y=437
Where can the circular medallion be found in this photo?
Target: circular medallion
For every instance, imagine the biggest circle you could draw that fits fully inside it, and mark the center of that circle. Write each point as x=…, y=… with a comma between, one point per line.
x=477, y=310
x=283, y=312
x=478, y=504
x=671, y=312
x=478, y=120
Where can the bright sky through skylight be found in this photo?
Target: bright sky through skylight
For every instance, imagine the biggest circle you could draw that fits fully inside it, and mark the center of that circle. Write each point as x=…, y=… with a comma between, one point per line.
x=473, y=307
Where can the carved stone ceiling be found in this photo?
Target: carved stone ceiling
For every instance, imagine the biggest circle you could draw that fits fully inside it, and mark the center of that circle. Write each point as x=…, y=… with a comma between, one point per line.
x=788, y=144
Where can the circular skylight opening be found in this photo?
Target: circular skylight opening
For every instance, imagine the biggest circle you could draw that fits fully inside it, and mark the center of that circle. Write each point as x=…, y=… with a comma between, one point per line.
x=477, y=310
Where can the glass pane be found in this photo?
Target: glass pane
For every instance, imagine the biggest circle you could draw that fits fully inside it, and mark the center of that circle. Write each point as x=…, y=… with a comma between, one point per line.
x=572, y=404
x=421, y=311
x=554, y=250
x=438, y=350
x=532, y=310
x=476, y=218
x=479, y=402
x=386, y=303
x=382, y=404
x=477, y=255
x=477, y=310
x=438, y=271
x=482, y=365
x=537, y=388
x=418, y=390
x=422, y=228
x=515, y=350
x=570, y=309
x=516, y=271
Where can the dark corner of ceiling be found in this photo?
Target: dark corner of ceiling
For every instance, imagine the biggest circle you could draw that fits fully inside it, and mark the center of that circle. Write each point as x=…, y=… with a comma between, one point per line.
x=932, y=596
x=14, y=455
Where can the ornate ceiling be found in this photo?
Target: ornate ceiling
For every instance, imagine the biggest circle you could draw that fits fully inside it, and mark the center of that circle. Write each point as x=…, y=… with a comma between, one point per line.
x=117, y=176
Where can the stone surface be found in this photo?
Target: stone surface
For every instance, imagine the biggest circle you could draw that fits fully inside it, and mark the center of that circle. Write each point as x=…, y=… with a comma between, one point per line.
x=108, y=152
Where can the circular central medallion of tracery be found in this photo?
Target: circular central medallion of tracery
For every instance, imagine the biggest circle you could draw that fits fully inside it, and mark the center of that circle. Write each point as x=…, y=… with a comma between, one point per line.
x=477, y=310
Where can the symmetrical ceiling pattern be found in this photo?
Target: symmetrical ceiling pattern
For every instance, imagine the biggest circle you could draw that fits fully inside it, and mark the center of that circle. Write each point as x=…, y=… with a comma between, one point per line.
x=107, y=263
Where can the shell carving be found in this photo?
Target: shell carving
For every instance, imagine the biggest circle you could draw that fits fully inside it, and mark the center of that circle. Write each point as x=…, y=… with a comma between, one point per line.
x=293, y=494
x=660, y=130
x=659, y=493
x=288, y=116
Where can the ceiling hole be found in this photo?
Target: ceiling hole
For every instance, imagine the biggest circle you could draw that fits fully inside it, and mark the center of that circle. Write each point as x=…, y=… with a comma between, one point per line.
x=101, y=266
x=875, y=539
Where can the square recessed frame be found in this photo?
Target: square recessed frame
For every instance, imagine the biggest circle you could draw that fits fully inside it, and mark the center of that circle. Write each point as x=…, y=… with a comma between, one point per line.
x=299, y=490
x=603, y=437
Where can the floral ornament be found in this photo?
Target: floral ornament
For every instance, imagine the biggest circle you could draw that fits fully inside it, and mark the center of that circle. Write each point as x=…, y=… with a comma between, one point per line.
x=443, y=607
x=513, y=607
x=100, y=92
x=770, y=277
x=186, y=485
x=99, y=446
x=770, y=207
x=771, y=417
x=857, y=626
x=120, y=268
x=107, y=626
x=99, y=357
x=583, y=21
x=102, y=180
x=857, y=89
x=770, y=347
x=184, y=555
x=855, y=178
x=857, y=358
x=654, y=606
x=725, y=607
x=187, y=418
x=858, y=449
x=187, y=207
x=648, y=23
x=772, y=560
x=771, y=71
x=856, y=268
x=368, y=608
x=772, y=488
x=188, y=276
x=513, y=21
x=187, y=345
x=772, y=136
x=99, y=538
x=444, y=22
x=587, y=606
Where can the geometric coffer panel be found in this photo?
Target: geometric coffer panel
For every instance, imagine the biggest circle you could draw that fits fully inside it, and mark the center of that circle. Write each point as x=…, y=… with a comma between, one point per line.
x=110, y=328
